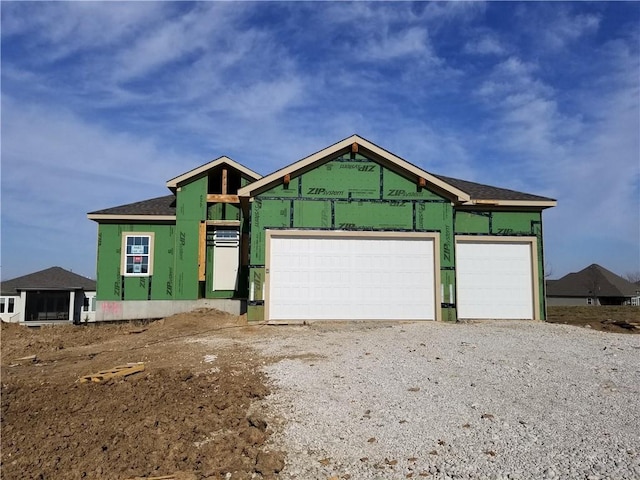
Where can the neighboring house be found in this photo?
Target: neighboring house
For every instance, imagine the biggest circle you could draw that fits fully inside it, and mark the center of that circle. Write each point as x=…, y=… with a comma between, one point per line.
x=54, y=295
x=350, y=232
x=594, y=285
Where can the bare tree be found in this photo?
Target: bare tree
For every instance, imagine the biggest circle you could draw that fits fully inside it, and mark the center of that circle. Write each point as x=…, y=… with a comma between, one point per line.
x=548, y=270
x=633, y=277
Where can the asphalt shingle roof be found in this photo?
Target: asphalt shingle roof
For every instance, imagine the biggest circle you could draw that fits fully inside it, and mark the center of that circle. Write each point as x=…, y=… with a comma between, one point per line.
x=594, y=279
x=54, y=278
x=478, y=191
x=155, y=206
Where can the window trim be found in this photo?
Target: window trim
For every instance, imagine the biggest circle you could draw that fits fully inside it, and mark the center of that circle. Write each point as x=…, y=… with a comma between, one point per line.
x=123, y=255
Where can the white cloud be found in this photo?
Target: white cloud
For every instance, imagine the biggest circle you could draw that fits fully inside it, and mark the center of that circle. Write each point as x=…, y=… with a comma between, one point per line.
x=69, y=27
x=565, y=28
x=389, y=46
x=486, y=45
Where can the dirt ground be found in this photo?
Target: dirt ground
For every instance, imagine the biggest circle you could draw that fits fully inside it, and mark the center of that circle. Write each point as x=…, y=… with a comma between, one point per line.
x=615, y=319
x=193, y=413
x=188, y=414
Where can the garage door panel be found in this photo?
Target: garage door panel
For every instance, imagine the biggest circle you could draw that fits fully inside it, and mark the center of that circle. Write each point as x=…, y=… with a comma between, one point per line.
x=351, y=278
x=494, y=280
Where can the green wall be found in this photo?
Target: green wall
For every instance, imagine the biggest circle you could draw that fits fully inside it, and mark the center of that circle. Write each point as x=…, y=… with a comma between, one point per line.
x=353, y=192
x=501, y=223
x=111, y=285
x=191, y=209
x=350, y=192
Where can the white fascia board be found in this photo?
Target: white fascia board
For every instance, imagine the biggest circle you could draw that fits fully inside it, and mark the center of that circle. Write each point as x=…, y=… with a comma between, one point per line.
x=173, y=183
x=512, y=203
x=156, y=218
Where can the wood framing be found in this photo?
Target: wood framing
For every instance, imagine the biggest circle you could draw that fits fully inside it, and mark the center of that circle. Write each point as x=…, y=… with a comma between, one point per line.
x=202, y=251
x=222, y=198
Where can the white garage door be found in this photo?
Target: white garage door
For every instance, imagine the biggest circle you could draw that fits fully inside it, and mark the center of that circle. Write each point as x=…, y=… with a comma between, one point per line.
x=359, y=277
x=494, y=280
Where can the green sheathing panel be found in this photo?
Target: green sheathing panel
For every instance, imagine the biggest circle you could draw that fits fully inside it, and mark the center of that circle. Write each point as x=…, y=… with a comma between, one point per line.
x=314, y=214
x=508, y=224
x=472, y=222
x=373, y=215
x=266, y=214
x=397, y=187
x=350, y=192
x=286, y=191
x=514, y=223
x=111, y=285
x=191, y=209
x=223, y=211
x=343, y=178
x=256, y=284
x=108, y=280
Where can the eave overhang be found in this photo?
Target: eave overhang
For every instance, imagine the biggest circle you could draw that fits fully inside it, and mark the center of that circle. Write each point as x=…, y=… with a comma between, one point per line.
x=511, y=203
x=98, y=217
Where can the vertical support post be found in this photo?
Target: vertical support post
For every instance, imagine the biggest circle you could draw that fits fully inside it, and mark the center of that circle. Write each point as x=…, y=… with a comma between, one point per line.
x=224, y=181
x=202, y=251
x=72, y=305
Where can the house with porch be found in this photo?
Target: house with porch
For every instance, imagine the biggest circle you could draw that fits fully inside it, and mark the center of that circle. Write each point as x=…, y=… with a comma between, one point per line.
x=49, y=296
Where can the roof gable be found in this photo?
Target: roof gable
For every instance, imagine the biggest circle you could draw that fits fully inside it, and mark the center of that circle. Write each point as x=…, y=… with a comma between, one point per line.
x=359, y=144
x=347, y=176
x=593, y=280
x=54, y=278
x=203, y=169
x=458, y=191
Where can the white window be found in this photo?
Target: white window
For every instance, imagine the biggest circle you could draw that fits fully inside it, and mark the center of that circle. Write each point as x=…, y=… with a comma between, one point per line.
x=589, y=301
x=137, y=254
x=8, y=304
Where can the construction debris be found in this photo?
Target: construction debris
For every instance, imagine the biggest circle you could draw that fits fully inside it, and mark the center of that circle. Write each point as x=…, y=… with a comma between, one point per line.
x=119, y=371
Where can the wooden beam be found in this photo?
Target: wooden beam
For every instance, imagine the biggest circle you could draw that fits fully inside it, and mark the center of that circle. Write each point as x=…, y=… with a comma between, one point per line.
x=222, y=198
x=224, y=223
x=287, y=179
x=224, y=181
x=422, y=182
x=202, y=251
x=354, y=147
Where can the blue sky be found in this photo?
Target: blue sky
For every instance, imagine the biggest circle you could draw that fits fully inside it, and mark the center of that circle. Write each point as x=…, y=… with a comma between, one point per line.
x=102, y=103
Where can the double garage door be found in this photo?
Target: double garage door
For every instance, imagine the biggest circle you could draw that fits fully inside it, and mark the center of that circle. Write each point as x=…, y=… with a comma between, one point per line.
x=362, y=276
x=394, y=276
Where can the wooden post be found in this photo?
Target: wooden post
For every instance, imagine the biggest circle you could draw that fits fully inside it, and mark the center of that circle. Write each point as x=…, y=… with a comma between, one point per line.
x=224, y=181
x=354, y=147
x=202, y=251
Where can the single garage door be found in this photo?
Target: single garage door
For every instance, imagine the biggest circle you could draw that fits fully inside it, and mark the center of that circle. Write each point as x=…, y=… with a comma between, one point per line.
x=495, y=279
x=337, y=276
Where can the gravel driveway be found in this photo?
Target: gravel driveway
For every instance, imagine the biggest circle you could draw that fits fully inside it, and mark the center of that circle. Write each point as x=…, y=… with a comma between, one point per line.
x=495, y=400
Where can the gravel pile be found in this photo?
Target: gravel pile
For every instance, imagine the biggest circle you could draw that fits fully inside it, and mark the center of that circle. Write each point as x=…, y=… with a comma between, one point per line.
x=494, y=400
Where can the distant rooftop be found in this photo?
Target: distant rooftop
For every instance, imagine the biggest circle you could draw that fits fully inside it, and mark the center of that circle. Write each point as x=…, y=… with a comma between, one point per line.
x=54, y=278
x=592, y=281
